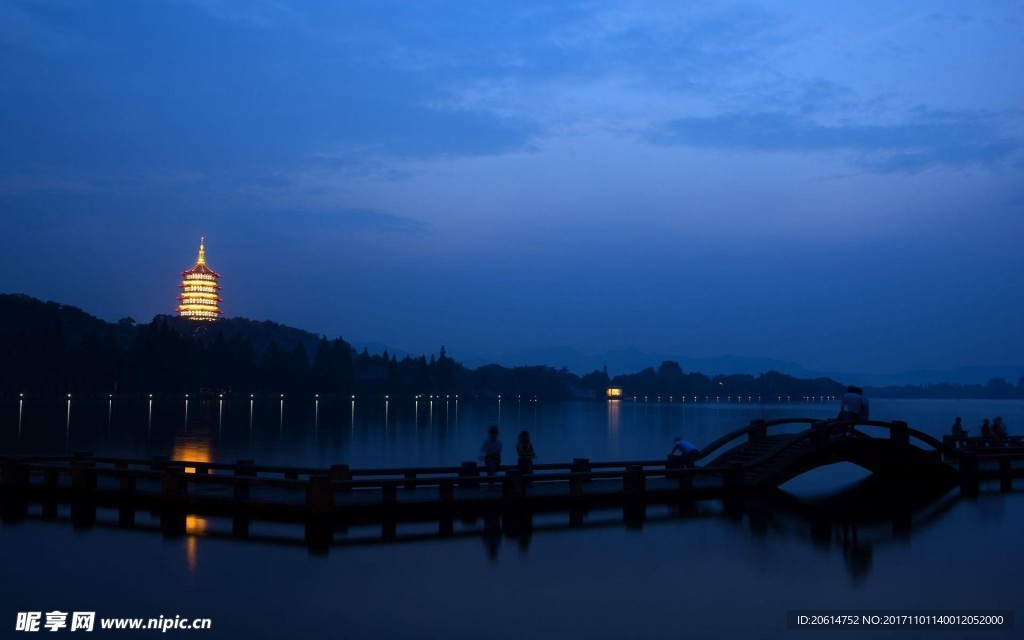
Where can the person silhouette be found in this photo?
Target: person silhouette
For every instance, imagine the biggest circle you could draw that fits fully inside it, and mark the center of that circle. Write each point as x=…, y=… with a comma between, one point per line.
x=490, y=451
x=524, y=448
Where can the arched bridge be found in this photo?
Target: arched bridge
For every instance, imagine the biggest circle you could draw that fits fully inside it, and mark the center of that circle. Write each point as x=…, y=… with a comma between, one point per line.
x=762, y=459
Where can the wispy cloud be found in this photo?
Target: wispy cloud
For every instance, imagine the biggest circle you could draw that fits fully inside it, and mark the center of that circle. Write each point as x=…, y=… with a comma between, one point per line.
x=22, y=30
x=260, y=14
x=924, y=139
x=372, y=220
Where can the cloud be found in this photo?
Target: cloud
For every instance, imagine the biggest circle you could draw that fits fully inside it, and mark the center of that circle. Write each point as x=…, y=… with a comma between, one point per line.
x=927, y=138
x=372, y=220
x=21, y=30
x=259, y=14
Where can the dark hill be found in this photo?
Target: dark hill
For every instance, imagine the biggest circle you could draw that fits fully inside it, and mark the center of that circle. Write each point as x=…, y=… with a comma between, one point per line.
x=261, y=333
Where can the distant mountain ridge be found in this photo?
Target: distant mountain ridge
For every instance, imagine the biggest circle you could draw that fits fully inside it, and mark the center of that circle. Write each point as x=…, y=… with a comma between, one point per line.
x=630, y=360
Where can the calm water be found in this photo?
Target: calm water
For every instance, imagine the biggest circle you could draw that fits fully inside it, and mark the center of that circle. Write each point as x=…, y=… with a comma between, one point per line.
x=704, y=573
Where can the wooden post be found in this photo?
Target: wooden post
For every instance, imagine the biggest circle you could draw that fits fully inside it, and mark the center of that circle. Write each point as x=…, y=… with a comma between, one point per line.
x=576, y=485
x=389, y=521
x=970, y=482
x=174, y=486
x=51, y=481
x=446, y=488
x=900, y=432
x=577, y=516
x=157, y=463
x=319, y=496
x=243, y=469
x=241, y=490
x=83, y=476
x=512, y=485
x=469, y=475
x=581, y=465
x=758, y=430
x=83, y=493
x=320, y=504
x=446, y=521
x=410, y=477
x=341, y=473
x=685, y=482
x=634, y=484
x=15, y=486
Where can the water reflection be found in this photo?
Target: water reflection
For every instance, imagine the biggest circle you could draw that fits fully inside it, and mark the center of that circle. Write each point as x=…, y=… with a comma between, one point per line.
x=850, y=525
x=195, y=446
x=194, y=527
x=614, y=422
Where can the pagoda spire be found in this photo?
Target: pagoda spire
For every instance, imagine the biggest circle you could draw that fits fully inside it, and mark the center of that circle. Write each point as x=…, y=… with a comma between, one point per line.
x=202, y=250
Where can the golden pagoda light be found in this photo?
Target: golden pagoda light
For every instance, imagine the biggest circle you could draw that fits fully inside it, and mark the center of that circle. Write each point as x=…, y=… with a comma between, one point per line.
x=199, y=299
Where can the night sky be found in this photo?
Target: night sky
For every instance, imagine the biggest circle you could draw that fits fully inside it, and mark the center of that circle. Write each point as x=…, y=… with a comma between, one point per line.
x=840, y=187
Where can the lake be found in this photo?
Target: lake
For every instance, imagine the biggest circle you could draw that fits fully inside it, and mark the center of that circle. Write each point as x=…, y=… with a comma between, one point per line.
x=707, y=572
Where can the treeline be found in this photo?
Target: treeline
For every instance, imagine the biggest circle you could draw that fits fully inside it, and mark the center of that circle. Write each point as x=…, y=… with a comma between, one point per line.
x=995, y=389
x=48, y=348
x=670, y=380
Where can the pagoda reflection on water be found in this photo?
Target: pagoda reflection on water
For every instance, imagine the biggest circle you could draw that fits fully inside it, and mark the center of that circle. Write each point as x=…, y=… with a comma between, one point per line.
x=198, y=299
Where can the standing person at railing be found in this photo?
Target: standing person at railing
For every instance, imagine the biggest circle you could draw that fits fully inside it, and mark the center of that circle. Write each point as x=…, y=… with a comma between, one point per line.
x=490, y=452
x=958, y=428
x=999, y=429
x=526, y=454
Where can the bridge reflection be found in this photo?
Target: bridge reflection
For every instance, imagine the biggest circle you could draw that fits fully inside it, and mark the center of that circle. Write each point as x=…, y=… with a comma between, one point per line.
x=852, y=523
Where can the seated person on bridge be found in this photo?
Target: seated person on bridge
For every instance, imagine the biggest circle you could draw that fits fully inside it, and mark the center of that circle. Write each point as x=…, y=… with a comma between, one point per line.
x=986, y=429
x=685, y=451
x=854, y=405
x=853, y=408
x=958, y=428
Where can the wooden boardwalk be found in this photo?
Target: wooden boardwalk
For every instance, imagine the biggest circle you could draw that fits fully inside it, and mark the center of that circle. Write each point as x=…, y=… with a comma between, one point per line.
x=747, y=461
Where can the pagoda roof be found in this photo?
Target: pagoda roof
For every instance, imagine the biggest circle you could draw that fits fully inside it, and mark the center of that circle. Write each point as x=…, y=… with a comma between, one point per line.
x=201, y=268
x=200, y=265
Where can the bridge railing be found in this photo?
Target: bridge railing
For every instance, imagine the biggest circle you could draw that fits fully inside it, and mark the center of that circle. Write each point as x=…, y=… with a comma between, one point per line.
x=755, y=430
x=900, y=431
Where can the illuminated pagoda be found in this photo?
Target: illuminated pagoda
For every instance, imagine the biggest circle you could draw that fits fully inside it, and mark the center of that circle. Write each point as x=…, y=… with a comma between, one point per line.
x=199, y=300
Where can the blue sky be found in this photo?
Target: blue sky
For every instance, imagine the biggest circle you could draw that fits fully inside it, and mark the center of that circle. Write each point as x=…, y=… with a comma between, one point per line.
x=838, y=186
